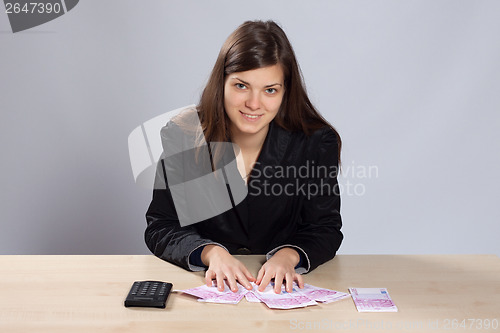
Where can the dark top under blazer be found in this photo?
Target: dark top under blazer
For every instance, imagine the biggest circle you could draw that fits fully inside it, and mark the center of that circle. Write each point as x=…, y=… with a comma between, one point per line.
x=264, y=222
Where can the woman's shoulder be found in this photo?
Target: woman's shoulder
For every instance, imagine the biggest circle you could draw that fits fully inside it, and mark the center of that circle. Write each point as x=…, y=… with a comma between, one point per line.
x=183, y=127
x=325, y=134
x=323, y=146
x=319, y=137
x=184, y=119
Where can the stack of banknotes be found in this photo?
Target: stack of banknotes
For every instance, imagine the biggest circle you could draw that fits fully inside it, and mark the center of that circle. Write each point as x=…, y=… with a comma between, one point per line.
x=298, y=298
x=372, y=300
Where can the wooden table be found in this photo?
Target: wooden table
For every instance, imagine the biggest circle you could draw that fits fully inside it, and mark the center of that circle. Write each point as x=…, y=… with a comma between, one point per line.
x=434, y=293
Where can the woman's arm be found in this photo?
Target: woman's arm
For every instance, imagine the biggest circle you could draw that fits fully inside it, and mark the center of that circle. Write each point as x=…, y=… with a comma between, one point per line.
x=223, y=266
x=165, y=237
x=319, y=235
x=173, y=243
x=168, y=240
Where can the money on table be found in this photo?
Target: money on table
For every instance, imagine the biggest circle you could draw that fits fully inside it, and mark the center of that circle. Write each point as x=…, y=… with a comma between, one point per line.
x=308, y=296
x=372, y=300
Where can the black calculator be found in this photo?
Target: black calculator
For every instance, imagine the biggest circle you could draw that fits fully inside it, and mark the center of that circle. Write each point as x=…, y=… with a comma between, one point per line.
x=152, y=294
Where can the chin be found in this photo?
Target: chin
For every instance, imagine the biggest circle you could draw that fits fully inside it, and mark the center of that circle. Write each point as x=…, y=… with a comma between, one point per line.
x=250, y=129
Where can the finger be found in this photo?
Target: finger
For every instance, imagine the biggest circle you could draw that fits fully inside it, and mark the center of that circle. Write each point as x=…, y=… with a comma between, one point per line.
x=220, y=282
x=231, y=282
x=265, y=281
x=278, y=281
x=242, y=279
x=245, y=277
x=248, y=275
x=260, y=275
x=209, y=275
x=289, y=282
x=300, y=280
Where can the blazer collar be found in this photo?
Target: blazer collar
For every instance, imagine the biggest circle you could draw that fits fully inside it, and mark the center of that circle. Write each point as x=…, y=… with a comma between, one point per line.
x=275, y=145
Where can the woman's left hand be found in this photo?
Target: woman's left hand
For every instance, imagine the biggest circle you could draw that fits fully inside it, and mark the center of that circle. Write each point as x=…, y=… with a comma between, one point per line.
x=281, y=267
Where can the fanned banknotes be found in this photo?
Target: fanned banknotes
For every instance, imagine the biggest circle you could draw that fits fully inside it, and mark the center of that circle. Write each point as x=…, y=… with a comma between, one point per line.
x=212, y=295
x=308, y=296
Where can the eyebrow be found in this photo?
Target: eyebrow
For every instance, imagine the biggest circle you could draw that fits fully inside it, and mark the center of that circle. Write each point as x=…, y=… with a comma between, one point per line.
x=248, y=84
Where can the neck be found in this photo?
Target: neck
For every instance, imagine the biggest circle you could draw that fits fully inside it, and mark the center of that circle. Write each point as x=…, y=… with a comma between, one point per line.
x=250, y=142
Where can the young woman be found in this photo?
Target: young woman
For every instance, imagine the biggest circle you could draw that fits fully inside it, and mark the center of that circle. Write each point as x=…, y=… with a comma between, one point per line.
x=288, y=158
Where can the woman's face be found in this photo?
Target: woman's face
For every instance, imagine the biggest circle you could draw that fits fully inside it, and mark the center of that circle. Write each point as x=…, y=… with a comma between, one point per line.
x=252, y=98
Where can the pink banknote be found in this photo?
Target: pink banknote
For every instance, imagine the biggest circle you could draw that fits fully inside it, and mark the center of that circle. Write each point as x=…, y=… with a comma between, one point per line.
x=250, y=297
x=284, y=300
x=372, y=300
x=213, y=295
x=296, y=299
x=322, y=295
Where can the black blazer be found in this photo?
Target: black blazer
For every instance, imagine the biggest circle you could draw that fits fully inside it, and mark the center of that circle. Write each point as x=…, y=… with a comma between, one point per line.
x=292, y=200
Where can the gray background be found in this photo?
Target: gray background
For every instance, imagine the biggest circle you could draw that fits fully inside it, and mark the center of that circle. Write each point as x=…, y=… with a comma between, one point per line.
x=412, y=86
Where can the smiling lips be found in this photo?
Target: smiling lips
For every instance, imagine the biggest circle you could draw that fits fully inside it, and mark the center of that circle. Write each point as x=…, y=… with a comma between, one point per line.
x=251, y=117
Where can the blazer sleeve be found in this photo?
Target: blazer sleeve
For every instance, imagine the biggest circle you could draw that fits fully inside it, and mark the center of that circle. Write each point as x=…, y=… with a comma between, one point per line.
x=164, y=235
x=318, y=235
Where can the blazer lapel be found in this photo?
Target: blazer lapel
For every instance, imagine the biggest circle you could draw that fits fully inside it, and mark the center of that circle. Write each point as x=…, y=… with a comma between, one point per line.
x=273, y=149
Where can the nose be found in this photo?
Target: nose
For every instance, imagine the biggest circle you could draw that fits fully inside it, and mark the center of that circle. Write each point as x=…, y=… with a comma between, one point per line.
x=253, y=101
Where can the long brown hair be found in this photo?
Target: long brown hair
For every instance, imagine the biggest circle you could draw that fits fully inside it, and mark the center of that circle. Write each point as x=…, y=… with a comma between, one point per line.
x=257, y=44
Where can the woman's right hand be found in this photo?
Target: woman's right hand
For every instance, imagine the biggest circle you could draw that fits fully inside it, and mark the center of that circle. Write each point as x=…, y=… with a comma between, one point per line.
x=223, y=266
